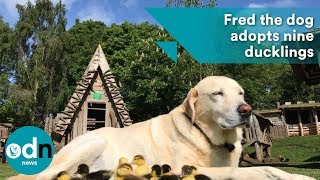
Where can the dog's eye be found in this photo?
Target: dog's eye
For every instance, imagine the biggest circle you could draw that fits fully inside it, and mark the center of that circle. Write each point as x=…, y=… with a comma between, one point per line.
x=241, y=93
x=218, y=93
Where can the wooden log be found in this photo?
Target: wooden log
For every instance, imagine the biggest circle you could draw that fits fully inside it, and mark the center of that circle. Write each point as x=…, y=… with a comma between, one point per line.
x=250, y=160
x=300, y=124
x=248, y=143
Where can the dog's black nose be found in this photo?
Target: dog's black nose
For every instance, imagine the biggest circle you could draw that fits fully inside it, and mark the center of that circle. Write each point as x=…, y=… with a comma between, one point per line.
x=245, y=110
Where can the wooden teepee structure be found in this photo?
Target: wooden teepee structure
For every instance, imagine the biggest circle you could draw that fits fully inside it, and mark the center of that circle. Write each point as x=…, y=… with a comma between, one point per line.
x=95, y=103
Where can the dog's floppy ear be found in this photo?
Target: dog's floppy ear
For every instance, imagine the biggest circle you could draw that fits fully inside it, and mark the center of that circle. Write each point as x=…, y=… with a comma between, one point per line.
x=189, y=104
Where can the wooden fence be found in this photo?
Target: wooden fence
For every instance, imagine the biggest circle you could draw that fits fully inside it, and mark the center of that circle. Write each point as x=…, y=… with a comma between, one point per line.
x=307, y=129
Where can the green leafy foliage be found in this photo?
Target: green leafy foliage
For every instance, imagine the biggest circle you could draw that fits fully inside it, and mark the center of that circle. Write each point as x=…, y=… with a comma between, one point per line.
x=44, y=62
x=39, y=35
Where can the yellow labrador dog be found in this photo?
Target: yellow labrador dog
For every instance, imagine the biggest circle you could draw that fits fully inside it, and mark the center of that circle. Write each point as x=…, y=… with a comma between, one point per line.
x=204, y=131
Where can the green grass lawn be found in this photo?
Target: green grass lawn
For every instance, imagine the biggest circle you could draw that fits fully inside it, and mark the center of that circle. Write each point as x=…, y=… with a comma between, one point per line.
x=303, y=154
x=6, y=171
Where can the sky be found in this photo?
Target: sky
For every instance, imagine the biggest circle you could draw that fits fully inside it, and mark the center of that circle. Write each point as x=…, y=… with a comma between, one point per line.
x=118, y=11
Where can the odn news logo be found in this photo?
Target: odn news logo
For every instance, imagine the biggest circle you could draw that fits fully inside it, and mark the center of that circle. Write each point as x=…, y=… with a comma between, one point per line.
x=29, y=150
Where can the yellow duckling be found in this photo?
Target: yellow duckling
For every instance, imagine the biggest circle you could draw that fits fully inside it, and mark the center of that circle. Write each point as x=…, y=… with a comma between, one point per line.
x=122, y=171
x=191, y=173
x=142, y=169
x=63, y=175
x=122, y=160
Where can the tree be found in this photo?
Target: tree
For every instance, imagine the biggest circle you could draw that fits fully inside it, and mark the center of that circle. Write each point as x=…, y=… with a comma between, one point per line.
x=39, y=35
x=7, y=66
x=7, y=59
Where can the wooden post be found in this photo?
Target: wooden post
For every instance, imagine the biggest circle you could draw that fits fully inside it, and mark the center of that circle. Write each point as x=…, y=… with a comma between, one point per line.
x=2, y=151
x=259, y=152
x=269, y=151
x=316, y=119
x=3, y=157
x=300, y=123
x=283, y=118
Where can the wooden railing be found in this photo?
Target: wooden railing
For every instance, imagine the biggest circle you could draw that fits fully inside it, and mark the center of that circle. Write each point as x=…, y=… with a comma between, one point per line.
x=307, y=129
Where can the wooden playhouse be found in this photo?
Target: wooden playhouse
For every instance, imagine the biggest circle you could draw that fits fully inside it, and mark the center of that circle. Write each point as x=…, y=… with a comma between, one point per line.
x=258, y=135
x=95, y=103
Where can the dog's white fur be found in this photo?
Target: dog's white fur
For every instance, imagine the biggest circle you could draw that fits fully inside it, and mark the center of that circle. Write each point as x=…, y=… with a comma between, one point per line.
x=173, y=139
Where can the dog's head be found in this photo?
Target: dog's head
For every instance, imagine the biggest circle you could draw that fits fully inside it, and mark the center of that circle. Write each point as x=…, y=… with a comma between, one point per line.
x=218, y=99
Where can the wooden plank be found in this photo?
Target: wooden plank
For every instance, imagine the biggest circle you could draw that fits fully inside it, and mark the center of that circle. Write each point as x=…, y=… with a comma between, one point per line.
x=98, y=109
x=85, y=116
x=259, y=152
x=268, y=153
x=257, y=130
x=107, y=115
x=300, y=123
x=80, y=122
x=75, y=128
x=95, y=122
x=316, y=119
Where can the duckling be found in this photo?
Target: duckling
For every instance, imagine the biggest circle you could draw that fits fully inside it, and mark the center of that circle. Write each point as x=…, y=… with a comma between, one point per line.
x=141, y=169
x=122, y=171
x=122, y=160
x=167, y=173
x=190, y=173
x=155, y=173
x=99, y=175
x=82, y=171
x=63, y=175
x=166, y=169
